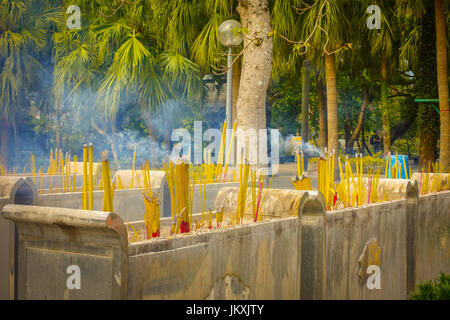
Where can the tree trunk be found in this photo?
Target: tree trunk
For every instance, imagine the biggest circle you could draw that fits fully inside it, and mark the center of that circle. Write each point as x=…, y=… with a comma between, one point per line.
x=322, y=112
x=15, y=132
x=347, y=133
x=442, y=78
x=110, y=140
x=4, y=141
x=385, y=108
x=151, y=131
x=359, y=124
x=305, y=100
x=363, y=138
x=332, y=107
x=256, y=66
x=426, y=87
x=114, y=143
x=58, y=136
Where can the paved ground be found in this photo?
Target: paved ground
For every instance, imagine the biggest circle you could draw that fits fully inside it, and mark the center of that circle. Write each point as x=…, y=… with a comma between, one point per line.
x=282, y=180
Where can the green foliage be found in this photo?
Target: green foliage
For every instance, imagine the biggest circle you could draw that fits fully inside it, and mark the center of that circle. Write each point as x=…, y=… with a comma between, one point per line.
x=376, y=161
x=433, y=290
x=286, y=100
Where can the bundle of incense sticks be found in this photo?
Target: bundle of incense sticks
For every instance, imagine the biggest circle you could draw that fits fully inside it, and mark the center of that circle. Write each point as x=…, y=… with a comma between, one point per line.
x=178, y=179
x=108, y=192
x=75, y=159
x=151, y=215
x=387, y=170
x=202, y=189
x=325, y=171
x=242, y=194
x=230, y=148
x=300, y=182
x=352, y=191
x=33, y=166
x=221, y=152
x=258, y=199
x=135, y=237
x=219, y=218
x=433, y=182
x=85, y=179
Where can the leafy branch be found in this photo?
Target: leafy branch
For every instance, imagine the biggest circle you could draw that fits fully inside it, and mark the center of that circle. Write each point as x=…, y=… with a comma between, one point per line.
x=302, y=47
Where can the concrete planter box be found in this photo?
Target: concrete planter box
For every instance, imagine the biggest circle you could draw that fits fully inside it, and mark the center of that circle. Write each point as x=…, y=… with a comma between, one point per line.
x=303, y=253
x=252, y=261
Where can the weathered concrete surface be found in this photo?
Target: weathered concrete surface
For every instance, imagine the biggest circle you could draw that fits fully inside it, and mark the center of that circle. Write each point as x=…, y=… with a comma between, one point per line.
x=52, y=239
x=433, y=236
x=347, y=233
x=56, y=181
x=392, y=189
x=157, y=178
x=323, y=255
x=77, y=168
x=12, y=190
x=128, y=203
x=279, y=202
x=258, y=261
x=5, y=226
x=445, y=177
x=406, y=238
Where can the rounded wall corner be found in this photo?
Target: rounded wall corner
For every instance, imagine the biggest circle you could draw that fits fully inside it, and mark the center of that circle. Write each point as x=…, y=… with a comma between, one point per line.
x=9, y=187
x=412, y=190
x=29, y=181
x=312, y=203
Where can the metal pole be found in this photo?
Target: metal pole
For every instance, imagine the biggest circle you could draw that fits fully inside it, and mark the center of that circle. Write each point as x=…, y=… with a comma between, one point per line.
x=229, y=101
x=305, y=107
x=229, y=88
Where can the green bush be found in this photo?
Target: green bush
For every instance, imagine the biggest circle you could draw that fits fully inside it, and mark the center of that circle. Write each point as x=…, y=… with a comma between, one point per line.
x=433, y=290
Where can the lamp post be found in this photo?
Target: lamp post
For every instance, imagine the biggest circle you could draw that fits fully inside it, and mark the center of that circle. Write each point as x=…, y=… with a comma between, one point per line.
x=229, y=38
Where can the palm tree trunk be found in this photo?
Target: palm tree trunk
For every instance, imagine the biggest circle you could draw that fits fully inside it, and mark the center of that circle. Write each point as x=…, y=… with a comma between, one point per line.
x=332, y=107
x=322, y=113
x=256, y=66
x=4, y=141
x=354, y=136
x=305, y=100
x=426, y=87
x=442, y=78
x=385, y=108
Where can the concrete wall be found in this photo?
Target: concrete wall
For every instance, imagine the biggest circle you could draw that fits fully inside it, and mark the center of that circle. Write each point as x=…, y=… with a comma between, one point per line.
x=5, y=226
x=12, y=190
x=432, y=247
x=317, y=255
x=245, y=262
x=408, y=239
x=56, y=181
x=346, y=236
x=129, y=203
x=53, y=239
x=253, y=261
